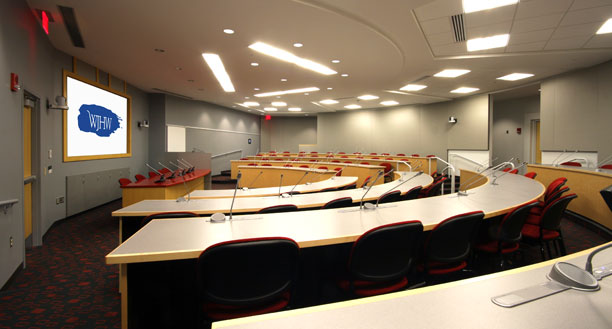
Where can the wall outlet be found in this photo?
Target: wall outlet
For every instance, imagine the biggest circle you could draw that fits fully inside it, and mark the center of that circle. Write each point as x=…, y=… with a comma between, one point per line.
x=11, y=242
x=59, y=199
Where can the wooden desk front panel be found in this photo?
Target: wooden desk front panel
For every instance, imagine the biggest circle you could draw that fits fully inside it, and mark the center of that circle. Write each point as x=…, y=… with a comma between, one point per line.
x=137, y=194
x=271, y=176
x=586, y=184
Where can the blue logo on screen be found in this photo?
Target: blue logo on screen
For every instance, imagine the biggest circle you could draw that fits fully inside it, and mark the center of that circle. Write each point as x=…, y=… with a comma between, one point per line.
x=97, y=119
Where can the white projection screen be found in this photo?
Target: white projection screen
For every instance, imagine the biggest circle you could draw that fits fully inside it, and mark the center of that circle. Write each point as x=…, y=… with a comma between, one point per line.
x=97, y=122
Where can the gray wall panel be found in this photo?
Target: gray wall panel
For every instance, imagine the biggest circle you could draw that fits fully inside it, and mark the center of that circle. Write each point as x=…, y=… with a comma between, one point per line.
x=287, y=133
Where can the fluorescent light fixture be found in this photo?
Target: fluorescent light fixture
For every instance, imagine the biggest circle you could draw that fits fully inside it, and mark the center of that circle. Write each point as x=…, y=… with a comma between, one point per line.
x=283, y=80
x=515, y=76
x=270, y=109
x=295, y=109
x=413, y=87
x=286, y=56
x=344, y=75
x=298, y=45
x=496, y=41
x=464, y=90
x=279, y=104
x=335, y=61
x=329, y=101
x=228, y=31
x=352, y=107
x=389, y=103
x=329, y=88
x=367, y=97
x=216, y=65
x=451, y=73
x=250, y=104
x=470, y=6
x=606, y=27
x=254, y=64
x=285, y=92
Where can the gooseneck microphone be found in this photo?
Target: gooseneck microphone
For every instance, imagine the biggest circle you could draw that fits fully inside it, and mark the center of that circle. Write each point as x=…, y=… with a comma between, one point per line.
x=182, y=170
x=589, y=266
x=246, y=188
x=280, y=185
x=162, y=178
x=400, y=184
x=220, y=217
x=380, y=173
x=286, y=195
x=172, y=171
x=558, y=156
x=507, y=172
x=192, y=167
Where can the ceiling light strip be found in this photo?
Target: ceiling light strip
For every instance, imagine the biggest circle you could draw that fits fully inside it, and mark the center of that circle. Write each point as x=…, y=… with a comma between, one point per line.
x=285, y=92
x=216, y=65
x=289, y=57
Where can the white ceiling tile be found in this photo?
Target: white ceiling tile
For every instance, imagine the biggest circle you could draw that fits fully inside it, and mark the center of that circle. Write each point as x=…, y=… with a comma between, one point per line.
x=536, y=23
x=600, y=41
x=440, y=39
x=527, y=9
x=532, y=46
x=488, y=17
x=597, y=14
x=582, y=4
x=458, y=48
x=576, y=31
x=529, y=37
x=439, y=8
x=435, y=26
x=568, y=43
x=488, y=30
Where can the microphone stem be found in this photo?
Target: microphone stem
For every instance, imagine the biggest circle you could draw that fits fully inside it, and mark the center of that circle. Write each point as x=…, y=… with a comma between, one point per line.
x=234, y=197
x=589, y=266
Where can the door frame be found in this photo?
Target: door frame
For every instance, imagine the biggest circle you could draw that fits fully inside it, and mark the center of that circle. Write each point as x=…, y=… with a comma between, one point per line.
x=34, y=100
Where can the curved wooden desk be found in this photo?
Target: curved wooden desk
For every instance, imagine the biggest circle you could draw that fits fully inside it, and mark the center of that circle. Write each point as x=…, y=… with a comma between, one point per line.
x=148, y=189
x=459, y=304
x=270, y=176
x=331, y=183
x=586, y=183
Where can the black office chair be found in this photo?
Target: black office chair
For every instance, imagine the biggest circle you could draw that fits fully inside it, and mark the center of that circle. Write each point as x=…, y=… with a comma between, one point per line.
x=413, y=193
x=503, y=239
x=390, y=197
x=246, y=277
x=382, y=258
x=167, y=215
x=350, y=186
x=432, y=190
x=449, y=244
x=278, y=208
x=339, y=203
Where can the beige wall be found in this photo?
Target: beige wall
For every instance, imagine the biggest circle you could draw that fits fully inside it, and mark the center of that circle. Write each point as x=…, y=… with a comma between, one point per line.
x=507, y=116
x=576, y=111
x=422, y=129
x=286, y=133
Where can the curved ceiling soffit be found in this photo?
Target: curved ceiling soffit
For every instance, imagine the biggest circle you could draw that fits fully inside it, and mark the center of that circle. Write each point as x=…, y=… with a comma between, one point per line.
x=357, y=19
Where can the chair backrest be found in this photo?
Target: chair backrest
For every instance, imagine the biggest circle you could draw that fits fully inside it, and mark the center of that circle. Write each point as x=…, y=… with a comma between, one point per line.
x=339, y=203
x=166, y=215
x=553, y=212
x=531, y=174
x=507, y=169
x=413, y=193
x=571, y=163
x=266, y=164
x=373, y=153
x=375, y=158
x=364, y=163
x=164, y=171
x=338, y=171
x=386, y=252
x=401, y=155
x=555, y=195
x=252, y=164
x=335, y=161
x=288, y=165
x=350, y=186
x=451, y=240
x=286, y=152
x=431, y=156
x=390, y=196
x=124, y=181
x=341, y=152
x=512, y=223
x=246, y=272
x=366, y=181
x=387, y=166
x=323, y=167
x=139, y=177
x=152, y=174
x=434, y=189
x=554, y=186
x=278, y=208
x=244, y=158
x=606, y=166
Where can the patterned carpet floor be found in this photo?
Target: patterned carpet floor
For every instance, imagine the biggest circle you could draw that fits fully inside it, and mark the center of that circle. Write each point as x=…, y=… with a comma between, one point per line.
x=67, y=284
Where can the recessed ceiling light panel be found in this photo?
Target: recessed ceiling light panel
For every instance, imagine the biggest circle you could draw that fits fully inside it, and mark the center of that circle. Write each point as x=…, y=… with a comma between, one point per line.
x=279, y=104
x=270, y=109
x=285, y=92
x=606, y=27
x=464, y=90
x=352, y=106
x=389, y=103
x=298, y=45
x=228, y=31
x=367, y=97
x=294, y=109
x=496, y=41
x=251, y=104
x=451, y=73
x=329, y=101
x=216, y=65
x=286, y=56
x=515, y=76
x=413, y=87
x=471, y=6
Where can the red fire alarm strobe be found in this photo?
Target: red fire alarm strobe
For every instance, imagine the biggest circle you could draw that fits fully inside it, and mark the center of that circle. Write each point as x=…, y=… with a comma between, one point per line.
x=518, y=130
x=14, y=82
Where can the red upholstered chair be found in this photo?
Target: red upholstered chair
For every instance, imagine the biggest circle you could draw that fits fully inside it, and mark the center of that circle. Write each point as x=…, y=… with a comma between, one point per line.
x=339, y=203
x=449, y=245
x=364, y=163
x=401, y=155
x=164, y=171
x=549, y=195
x=267, y=164
x=244, y=158
x=338, y=171
x=278, y=208
x=304, y=166
x=278, y=159
x=432, y=190
x=404, y=159
x=549, y=229
x=373, y=153
x=312, y=160
x=431, y=156
x=507, y=169
x=504, y=239
x=350, y=186
x=139, y=177
x=252, y=164
x=314, y=155
x=259, y=155
x=415, y=155
x=390, y=197
x=286, y=152
x=323, y=167
x=531, y=175
x=375, y=158
x=288, y=165
x=314, y=152
x=152, y=174
x=335, y=161
x=382, y=258
x=246, y=277
x=366, y=181
x=514, y=171
x=388, y=158
x=606, y=166
x=384, y=154
x=341, y=153
x=413, y=193
x=571, y=163
x=166, y=215
x=124, y=181
x=344, y=156
x=348, y=162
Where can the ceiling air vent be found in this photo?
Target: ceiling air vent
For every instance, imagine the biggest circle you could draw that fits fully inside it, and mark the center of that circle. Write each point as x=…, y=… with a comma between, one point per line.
x=171, y=93
x=458, y=27
x=70, y=21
